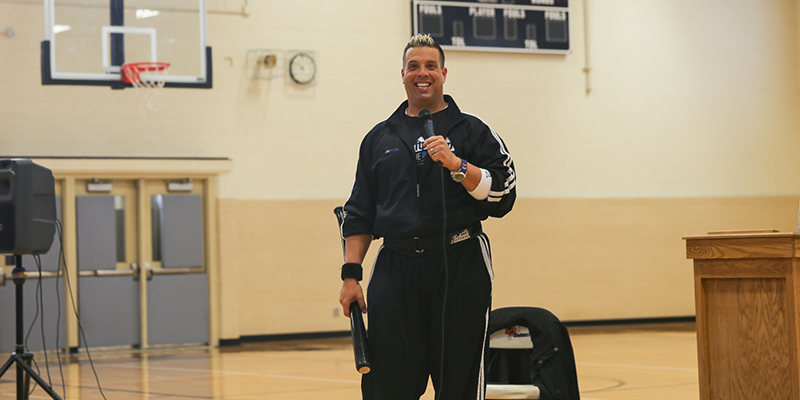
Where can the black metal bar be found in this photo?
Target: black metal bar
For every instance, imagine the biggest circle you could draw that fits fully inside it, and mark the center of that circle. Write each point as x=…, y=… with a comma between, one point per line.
x=32, y=374
x=117, y=18
x=47, y=78
x=18, y=276
x=20, y=357
x=6, y=366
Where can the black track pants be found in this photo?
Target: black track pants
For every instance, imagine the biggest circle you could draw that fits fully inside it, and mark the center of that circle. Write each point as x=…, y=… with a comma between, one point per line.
x=404, y=299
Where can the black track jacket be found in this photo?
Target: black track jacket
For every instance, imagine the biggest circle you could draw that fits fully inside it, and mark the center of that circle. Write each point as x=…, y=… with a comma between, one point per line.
x=388, y=197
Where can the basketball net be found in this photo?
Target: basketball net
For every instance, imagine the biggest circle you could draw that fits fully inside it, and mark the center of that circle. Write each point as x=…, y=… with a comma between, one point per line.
x=147, y=78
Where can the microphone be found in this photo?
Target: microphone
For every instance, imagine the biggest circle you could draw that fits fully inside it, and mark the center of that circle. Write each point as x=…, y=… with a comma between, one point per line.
x=427, y=121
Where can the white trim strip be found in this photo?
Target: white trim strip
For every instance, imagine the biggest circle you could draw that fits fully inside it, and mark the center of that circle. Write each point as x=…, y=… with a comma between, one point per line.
x=481, y=374
x=487, y=256
x=487, y=260
x=106, y=31
x=511, y=181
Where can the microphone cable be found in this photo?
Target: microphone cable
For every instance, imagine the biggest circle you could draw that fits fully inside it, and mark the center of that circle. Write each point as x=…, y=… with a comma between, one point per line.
x=38, y=296
x=426, y=118
x=446, y=280
x=40, y=304
x=39, y=315
x=63, y=261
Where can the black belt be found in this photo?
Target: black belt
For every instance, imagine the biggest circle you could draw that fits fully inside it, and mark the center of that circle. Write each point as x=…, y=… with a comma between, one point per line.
x=431, y=244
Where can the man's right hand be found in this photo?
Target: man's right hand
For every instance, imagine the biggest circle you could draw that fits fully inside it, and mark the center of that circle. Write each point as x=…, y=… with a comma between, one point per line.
x=351, y=291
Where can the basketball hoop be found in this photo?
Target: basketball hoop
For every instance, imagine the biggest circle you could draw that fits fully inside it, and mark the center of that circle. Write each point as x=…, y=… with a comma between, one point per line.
x=148, y=79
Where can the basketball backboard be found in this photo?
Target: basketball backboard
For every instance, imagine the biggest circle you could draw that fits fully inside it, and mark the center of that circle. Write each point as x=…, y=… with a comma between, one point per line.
x=87, y=41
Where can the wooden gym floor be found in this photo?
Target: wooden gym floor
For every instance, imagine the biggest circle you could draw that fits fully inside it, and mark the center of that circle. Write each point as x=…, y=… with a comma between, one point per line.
x=657, y=362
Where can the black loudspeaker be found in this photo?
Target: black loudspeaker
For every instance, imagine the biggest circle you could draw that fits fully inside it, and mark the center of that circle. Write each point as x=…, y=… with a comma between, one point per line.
x=27, y=207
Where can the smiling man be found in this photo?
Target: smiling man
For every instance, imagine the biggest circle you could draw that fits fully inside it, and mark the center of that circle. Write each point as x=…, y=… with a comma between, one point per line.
x=430, y=291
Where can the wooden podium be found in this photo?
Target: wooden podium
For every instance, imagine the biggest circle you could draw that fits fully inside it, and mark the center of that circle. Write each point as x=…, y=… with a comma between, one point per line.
x=747, y=297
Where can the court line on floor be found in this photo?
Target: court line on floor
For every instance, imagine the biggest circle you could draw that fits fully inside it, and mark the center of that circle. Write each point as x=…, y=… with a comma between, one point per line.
x=637, y=367
x=183, y=369
x=305, y=378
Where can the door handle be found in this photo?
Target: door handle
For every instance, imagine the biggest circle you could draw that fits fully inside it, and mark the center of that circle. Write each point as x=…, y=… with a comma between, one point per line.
x=135, y=268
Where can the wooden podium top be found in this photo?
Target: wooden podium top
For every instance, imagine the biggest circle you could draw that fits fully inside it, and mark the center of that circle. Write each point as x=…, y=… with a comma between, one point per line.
x=764, y=243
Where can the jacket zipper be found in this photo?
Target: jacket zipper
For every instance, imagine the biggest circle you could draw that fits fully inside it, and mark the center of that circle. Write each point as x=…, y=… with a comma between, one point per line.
x=416, y=209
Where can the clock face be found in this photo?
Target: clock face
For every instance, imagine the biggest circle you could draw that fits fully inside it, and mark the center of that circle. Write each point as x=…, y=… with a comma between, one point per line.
x=458, y=176
x=302, y=68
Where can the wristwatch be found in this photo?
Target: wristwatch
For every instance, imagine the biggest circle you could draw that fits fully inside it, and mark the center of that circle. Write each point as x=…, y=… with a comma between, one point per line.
x=461, y=174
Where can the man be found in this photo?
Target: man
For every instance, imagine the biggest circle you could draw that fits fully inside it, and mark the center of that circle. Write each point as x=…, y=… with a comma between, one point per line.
x=430, y=289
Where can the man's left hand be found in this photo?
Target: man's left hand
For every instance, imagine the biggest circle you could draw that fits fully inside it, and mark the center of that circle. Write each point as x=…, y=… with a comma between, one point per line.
x=439, y=150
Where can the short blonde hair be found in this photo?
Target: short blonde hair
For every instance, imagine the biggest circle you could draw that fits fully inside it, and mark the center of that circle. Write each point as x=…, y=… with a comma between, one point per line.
x=423, y=40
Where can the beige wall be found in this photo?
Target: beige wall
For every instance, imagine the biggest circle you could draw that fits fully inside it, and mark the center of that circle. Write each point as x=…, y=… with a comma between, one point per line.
x=691, y=125
x=584, y=259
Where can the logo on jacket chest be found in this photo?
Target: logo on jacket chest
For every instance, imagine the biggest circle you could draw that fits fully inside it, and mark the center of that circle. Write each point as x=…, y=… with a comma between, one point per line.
x=421, y=153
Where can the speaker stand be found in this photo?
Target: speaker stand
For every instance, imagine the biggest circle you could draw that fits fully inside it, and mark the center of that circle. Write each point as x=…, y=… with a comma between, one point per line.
x=20, y=357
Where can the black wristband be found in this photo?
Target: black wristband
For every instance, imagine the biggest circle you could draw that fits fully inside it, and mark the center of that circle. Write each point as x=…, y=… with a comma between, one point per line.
x=352, y=270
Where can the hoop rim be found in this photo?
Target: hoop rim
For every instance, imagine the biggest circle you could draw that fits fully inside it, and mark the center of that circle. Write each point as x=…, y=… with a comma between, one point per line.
x=131, y=70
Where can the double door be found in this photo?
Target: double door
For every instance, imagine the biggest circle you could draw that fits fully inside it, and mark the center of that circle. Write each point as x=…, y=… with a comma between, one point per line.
x=136, y=253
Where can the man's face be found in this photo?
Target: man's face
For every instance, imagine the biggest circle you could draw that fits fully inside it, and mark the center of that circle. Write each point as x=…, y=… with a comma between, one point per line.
x=423, y=78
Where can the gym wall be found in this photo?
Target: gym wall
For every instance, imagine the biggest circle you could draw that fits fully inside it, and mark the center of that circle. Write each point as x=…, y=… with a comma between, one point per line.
x=691, y=125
